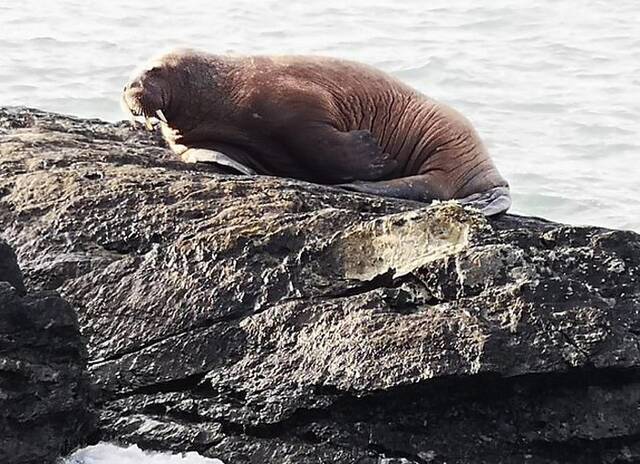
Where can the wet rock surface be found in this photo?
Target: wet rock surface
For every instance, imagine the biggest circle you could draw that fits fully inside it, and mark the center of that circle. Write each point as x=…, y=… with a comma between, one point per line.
x=45, y=397
x=257, y=319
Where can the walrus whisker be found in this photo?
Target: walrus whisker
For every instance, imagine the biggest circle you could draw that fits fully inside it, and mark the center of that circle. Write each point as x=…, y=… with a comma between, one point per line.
x=136, y=120
x=127, y=111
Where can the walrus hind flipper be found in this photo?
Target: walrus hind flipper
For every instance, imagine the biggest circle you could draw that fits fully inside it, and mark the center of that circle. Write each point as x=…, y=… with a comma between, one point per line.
x=202, y=155
x=490, y=202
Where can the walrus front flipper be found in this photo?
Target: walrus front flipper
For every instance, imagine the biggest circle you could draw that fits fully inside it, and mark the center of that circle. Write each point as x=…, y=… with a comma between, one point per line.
x=202, y=155
x=419, y=188
x=491, y=202
x=337, y=156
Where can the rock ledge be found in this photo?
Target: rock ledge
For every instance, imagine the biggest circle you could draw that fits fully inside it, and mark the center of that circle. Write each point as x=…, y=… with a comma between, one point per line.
x=257, y=319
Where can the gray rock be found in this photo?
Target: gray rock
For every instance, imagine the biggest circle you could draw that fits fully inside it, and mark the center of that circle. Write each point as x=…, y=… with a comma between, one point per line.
x=44, y=392
x=9, y=269
x=257, y=319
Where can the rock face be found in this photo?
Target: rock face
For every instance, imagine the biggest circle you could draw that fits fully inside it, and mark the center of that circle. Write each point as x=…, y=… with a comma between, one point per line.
x=9, y=269
x=256, y=319
x=44, y=392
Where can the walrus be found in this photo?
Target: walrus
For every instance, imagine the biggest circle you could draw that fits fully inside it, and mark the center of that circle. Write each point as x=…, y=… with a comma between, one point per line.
x=317, y=119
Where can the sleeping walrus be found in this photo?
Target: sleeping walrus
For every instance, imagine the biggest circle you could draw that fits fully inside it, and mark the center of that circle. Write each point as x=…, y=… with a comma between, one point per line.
x=317, y=119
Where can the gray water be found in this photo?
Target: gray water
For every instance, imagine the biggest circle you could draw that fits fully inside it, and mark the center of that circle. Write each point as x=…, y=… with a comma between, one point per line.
x=553, y=87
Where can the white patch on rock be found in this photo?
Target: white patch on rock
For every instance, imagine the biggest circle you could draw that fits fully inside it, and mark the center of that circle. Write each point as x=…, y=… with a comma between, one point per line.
x=107, y=453
x=403, y=242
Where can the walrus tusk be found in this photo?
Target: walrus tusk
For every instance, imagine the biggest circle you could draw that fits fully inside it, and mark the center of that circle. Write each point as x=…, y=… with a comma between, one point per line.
x=161, y=116
x=147, y=123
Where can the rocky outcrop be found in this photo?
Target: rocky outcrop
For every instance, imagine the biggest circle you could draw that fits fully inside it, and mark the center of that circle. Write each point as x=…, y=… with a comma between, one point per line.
x=257, y=319
x=44, y=392
x=9, y=269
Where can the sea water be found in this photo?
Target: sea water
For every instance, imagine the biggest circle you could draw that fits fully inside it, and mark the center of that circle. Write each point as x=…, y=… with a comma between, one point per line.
x=552, y=87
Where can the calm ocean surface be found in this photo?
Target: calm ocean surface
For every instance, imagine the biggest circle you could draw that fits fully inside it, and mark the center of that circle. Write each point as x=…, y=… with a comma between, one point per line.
x=553, y=87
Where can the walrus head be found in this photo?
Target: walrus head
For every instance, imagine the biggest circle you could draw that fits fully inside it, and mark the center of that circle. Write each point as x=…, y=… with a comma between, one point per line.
x=179, y=86
x=147, y=95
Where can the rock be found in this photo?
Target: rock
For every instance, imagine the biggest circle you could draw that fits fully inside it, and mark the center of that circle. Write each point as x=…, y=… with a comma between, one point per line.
x=44, y=392
x=9, y=270
x=256, y=319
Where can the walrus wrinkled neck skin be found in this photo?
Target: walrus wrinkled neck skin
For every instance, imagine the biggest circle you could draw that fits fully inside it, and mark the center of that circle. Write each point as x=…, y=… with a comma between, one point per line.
x=205, y=92
x=322, y=120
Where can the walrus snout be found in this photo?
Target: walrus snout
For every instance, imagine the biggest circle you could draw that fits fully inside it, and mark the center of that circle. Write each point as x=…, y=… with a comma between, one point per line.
x=144, y=97
x=135, y=103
